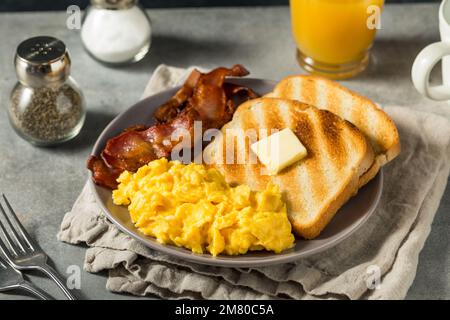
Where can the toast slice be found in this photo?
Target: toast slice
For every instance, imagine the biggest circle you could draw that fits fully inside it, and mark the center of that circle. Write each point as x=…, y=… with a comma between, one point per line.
x=325, y=94
x=315, y=187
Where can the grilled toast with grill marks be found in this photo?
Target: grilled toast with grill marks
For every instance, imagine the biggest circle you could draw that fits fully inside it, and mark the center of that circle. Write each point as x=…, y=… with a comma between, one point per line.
x=325, y=94
x=315, y=187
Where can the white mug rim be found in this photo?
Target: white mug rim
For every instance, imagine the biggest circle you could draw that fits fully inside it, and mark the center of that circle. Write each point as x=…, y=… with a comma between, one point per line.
x=442, y=18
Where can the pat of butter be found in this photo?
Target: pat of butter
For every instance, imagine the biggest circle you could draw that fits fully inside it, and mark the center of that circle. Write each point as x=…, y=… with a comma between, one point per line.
x=279, y=150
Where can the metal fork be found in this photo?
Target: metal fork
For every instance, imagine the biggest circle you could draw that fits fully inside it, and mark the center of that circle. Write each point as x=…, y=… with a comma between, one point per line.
x=22, y=252
x=11, y=279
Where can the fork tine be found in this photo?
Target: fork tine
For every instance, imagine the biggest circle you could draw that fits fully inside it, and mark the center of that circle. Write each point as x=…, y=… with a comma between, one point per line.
x=19, y=231
x=2, y=263
x=13, y=249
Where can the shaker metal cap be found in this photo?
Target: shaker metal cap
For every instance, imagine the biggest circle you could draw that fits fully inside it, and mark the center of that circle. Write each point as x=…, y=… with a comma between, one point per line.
x=114, y=4
x=42, y=60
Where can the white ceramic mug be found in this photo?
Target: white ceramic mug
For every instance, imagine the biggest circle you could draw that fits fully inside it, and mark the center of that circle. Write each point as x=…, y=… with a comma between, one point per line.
x=430, y=56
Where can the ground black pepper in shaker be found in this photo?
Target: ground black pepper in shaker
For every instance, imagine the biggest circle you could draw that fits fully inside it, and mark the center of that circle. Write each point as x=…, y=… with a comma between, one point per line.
x=46, y=105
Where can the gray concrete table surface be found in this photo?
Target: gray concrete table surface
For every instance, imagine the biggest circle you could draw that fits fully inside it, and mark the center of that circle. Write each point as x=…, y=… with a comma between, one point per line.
x=43, y=183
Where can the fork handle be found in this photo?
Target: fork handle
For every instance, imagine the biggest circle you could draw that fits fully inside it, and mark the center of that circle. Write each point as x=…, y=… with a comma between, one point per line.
x=53, y=274
x=28, y=286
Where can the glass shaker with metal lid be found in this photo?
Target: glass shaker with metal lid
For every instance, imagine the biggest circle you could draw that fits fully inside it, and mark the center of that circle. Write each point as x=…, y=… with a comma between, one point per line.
x=116, y=31
x=46, y=105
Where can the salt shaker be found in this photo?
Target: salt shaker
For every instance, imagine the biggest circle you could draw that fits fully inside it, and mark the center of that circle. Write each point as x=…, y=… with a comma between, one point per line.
x=46, y=106
x=116, y=31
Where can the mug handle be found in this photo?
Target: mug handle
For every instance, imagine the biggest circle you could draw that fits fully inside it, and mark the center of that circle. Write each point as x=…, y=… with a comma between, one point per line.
x=424, y=63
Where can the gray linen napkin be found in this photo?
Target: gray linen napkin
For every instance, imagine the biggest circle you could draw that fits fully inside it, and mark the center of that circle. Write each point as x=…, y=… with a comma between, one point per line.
x=388, y=243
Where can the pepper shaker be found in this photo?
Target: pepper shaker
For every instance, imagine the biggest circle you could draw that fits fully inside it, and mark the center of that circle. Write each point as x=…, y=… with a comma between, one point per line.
x=46, y=105
x=116, y=31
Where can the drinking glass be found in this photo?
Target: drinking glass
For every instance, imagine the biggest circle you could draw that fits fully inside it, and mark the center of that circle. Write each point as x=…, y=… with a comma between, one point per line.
x=333, y=37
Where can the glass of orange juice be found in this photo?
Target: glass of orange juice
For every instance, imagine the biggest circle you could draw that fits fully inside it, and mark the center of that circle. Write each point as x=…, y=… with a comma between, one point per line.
x=333, y=37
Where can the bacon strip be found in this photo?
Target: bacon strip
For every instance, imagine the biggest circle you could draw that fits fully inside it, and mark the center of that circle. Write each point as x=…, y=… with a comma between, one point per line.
x=172, y=108
x=203, y=97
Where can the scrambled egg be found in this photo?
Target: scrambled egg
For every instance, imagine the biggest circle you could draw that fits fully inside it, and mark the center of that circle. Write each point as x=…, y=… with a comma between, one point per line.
x=192, y=206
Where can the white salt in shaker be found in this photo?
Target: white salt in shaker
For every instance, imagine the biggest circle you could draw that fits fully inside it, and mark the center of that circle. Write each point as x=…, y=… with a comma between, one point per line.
x=116, y=31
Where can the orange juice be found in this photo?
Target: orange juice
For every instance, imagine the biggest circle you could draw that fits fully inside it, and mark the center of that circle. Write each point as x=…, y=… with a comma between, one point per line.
x=334, y=33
